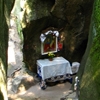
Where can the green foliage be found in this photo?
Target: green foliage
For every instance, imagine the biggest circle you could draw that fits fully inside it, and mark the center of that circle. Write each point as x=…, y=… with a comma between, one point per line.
x=95, y=51
x=19, y=29
x=97, y=14
x=51, y=55
x=95, y=71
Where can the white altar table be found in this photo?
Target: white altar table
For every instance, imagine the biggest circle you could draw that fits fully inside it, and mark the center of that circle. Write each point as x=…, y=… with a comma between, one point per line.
x=57, y=69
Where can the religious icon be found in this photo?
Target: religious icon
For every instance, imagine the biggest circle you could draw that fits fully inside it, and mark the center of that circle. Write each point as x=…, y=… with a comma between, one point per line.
x=49, y=44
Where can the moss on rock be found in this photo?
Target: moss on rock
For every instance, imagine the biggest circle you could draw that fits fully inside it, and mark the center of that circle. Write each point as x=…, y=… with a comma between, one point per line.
x=90, y=84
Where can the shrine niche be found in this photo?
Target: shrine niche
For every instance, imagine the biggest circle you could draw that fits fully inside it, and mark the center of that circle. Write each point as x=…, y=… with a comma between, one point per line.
x=49, y=41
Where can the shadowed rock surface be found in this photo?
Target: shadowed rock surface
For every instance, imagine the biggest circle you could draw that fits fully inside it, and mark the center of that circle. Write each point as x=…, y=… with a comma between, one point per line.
x=70, y=18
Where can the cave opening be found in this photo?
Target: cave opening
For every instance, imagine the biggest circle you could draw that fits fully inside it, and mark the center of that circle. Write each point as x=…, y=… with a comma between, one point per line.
x=24, y=37
x=30, y=45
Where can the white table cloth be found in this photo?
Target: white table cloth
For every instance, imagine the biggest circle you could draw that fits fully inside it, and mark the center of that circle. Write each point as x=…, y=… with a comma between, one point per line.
x=47, y=69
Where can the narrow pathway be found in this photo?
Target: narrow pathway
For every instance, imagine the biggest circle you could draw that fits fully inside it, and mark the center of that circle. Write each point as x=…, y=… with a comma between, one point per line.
x=60, y=91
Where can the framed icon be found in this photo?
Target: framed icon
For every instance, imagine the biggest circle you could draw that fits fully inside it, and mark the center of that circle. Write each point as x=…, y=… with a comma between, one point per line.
x=49, y=44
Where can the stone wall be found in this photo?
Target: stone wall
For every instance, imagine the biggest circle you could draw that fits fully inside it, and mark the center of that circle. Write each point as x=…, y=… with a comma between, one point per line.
x=91, y=61
x=70, y=18
x=5, y=7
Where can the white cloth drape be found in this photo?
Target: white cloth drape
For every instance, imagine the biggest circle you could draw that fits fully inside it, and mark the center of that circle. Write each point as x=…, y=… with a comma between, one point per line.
x=43, y=36
x=59, y=66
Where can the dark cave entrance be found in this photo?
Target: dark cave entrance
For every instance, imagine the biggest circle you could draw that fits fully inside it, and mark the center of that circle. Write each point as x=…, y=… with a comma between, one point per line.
x=69, y=24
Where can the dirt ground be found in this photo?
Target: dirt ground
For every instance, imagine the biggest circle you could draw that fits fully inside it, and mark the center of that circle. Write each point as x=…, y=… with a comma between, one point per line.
x=54, y=92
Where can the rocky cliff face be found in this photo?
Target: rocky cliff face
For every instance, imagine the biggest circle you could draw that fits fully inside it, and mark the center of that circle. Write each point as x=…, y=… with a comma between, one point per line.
x=70, y=18
x=5, y=7
x=91, y=60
